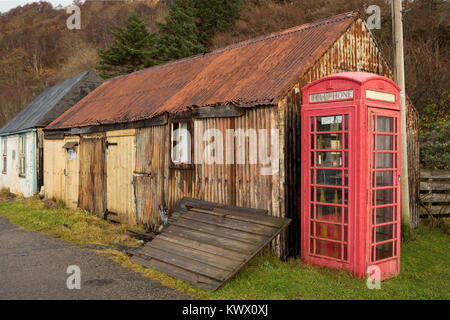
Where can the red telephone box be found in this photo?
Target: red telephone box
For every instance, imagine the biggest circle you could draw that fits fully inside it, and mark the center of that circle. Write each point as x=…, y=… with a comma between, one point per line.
x=350, y=173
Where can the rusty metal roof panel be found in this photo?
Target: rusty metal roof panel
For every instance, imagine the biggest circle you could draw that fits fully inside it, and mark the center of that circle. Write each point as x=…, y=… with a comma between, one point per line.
x=250, y=73
x=209, y=242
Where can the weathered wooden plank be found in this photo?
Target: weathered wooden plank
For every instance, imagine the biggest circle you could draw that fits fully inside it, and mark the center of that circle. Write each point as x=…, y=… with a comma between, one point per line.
x=218, y=112
x=183, y=115
x=54, y=135
x=436, y=197
x=220, y=231
x=242, y=216
x=208, y=205
x=156, y=121
x=186, y=263
x=211, y=239
x=439, y=209
x=440, y=174
x=230, y=223
x=431, y=186
x=197, y=255
x=197, y=245
x=178, y=273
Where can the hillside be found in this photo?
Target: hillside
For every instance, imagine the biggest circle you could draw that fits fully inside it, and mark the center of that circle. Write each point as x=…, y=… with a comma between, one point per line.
x=37, y=49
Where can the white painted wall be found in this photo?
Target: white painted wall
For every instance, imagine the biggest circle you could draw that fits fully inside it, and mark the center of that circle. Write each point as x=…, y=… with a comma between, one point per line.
x=11, y=180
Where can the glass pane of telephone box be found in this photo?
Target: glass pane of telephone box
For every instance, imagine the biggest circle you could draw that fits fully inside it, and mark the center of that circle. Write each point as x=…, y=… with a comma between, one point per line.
x=328, y=248
x=385, y=142
x=329, y=123
x=385, y=196
x=329, y=159
x=384, y=178
x=385, y=160
x=385, y=124
x=384, y=251
x=329, y=177
x=329, y=195
x=328, y=213
x=384, y=214
x=385, y=233
x=328, y=231
x=329, y=141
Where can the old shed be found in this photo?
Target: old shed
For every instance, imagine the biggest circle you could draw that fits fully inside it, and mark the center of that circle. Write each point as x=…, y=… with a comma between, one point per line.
x=241, y=108
x=22, y=143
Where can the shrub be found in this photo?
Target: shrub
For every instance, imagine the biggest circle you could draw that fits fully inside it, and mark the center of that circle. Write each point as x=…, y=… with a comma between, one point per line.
x=435, y=134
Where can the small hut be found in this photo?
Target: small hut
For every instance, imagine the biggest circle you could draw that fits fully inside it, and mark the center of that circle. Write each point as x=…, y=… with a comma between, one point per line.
x=22, y=138
x=133, y=162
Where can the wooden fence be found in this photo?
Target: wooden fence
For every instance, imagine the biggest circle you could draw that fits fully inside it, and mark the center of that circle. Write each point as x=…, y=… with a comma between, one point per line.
x=435, y=192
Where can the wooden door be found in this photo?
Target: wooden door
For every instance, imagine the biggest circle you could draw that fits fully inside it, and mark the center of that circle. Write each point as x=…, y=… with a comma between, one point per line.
x=150, y=174
x=71, y=173
x=120, y=158
x=92, y=186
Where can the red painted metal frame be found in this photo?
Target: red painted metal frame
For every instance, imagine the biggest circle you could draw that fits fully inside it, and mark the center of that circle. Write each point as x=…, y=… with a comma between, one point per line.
x=389, y=266
x=359, y=109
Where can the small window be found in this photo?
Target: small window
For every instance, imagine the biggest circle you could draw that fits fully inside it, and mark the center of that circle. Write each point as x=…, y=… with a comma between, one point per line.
x=4, y=153
x=71, y=154
x=22, y=151
x=181, y=143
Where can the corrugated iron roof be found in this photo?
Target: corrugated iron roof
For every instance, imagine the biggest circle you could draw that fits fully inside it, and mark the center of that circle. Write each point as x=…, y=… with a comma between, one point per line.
x=250, y=73
x=52, y=102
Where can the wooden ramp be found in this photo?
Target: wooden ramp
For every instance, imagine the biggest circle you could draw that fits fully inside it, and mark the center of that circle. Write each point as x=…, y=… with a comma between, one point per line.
x=209, y=242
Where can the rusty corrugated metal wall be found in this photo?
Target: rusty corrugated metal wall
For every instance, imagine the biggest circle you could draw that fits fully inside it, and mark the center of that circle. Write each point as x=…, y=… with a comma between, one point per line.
x=238, y=184
x=231, y=184
x=180, y=185
x=214, y=182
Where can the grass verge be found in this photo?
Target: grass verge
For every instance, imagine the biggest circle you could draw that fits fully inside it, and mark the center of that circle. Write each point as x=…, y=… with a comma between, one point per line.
x=425, y=261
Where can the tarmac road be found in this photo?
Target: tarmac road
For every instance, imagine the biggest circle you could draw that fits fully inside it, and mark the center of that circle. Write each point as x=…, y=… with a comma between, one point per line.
x=33, y=266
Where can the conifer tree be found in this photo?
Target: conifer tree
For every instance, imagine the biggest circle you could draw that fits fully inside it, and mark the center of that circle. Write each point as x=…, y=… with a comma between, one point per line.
x=133, y=49
x=214, y=16
x=179, y=35
x=191, y=24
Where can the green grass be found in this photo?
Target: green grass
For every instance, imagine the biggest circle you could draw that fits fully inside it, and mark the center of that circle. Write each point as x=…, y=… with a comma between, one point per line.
x=424, y=274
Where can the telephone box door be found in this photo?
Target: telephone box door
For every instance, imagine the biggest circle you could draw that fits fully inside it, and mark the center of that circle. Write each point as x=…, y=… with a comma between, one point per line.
x=384, y=200
x=327, y=169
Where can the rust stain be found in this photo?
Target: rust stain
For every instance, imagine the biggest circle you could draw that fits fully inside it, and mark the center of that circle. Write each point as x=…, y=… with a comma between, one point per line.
x=247, y=74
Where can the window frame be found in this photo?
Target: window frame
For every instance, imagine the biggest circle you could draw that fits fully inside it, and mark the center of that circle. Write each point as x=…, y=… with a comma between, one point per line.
x=22, y=150
x=4, y=155
x=189, y=126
